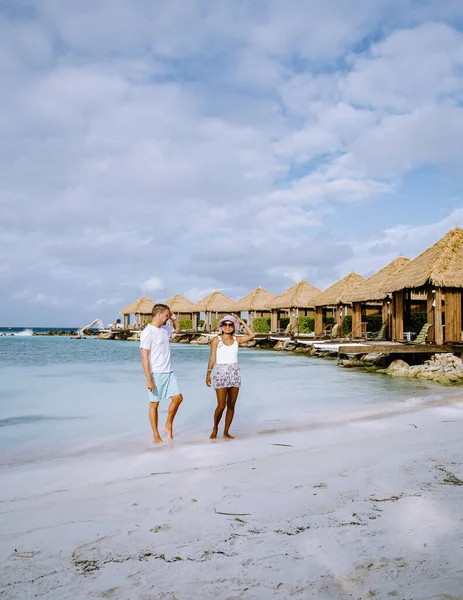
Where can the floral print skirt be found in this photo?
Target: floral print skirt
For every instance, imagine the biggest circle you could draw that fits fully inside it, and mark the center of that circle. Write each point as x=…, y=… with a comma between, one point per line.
x=226, y=376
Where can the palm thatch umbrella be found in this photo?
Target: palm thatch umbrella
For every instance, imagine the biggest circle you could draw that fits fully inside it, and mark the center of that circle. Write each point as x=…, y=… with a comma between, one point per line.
x=375, y=293
x=141, y=308
x=215, y=305
x=333, y=297
x=298, y=298
x=184, y=309
x=438, y=271
x=255, y=304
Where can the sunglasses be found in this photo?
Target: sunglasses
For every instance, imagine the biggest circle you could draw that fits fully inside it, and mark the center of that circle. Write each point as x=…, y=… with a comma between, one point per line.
x=227, y=324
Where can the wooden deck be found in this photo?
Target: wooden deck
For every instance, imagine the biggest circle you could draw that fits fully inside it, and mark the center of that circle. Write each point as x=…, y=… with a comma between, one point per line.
x=396, y=348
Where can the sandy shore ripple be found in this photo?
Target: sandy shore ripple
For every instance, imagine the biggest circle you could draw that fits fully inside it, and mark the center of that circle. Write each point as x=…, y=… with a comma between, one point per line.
x=372, y=509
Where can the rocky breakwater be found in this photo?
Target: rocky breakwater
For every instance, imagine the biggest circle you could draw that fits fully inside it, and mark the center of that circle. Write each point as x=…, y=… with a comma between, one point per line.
x=446, y=369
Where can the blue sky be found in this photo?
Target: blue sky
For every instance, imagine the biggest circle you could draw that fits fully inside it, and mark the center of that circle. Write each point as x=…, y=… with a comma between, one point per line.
x=160, y=147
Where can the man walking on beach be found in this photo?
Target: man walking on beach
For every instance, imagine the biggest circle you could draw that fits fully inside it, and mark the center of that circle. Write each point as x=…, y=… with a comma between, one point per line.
x=160, y=378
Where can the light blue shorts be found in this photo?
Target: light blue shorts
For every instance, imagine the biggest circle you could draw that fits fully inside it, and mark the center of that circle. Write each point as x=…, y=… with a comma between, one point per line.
x=165, y=386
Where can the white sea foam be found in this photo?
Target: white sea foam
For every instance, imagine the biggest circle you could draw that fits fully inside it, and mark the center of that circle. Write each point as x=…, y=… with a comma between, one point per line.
x=23, y=333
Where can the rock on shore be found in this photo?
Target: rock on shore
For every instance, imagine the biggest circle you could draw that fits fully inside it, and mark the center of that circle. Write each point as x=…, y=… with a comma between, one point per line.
x=446, y=369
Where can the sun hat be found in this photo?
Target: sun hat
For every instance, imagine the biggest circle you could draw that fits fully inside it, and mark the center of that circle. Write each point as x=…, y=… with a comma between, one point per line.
x=231, y=318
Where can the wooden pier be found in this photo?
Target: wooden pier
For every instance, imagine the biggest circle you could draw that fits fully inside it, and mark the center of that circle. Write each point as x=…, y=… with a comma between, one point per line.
x=397, y=348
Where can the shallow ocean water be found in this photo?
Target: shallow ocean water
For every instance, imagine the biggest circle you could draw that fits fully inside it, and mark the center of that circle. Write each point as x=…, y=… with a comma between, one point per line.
x=62, y=397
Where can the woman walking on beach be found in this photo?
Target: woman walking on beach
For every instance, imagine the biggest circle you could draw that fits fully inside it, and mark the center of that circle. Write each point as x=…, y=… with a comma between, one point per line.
x=227, y=378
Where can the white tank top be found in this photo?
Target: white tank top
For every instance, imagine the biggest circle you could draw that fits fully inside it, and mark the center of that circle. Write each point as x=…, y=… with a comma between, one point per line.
x=227, y=355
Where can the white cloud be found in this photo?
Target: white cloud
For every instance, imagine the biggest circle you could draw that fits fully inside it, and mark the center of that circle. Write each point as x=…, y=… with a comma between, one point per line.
x=153, y=284
x=20, y=295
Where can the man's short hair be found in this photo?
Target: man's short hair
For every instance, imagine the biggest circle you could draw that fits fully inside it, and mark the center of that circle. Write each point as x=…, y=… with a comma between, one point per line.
x=159, y=308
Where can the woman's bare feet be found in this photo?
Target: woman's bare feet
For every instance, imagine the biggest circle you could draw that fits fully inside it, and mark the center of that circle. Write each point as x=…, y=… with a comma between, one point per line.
x=213, y=435
x=227, y=436
x=168, y=429
x=157, y=439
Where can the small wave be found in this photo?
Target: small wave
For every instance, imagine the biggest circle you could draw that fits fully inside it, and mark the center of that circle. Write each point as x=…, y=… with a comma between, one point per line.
x=26, y=332
x=30, y=419
x=23, y=333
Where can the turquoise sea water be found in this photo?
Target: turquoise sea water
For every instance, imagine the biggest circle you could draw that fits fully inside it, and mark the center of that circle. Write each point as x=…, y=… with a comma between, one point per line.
x=62, y=397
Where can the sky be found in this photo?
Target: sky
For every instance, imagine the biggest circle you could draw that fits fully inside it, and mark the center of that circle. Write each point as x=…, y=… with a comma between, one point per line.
x=157, y=147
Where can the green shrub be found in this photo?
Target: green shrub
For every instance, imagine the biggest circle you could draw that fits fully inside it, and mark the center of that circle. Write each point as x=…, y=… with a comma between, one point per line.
x=201, y=322
x=306, y=324
x=186, y=324
x=417, y=320
x=330, y=320
x=261, y=325
x=284, y=322
x=347, y=325
x=214, y=324
x=374, y=323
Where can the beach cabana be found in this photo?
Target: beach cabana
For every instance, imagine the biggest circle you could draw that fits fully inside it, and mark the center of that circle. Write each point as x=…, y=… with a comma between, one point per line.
x=372, y=295
x=255, y=304
x=296, y=301
x=141, y=309
x=184, y=309
x=331, y=299
x=215, y=306
x=437, y=272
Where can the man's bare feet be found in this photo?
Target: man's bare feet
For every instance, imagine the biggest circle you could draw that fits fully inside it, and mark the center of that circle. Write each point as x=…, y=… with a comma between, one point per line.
x=168, y=430
x=227, y=436
x=213, y=435
x=157, y=439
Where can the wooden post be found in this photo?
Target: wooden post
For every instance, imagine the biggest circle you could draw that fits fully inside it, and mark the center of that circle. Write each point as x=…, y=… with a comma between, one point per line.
x=126, y=321
x=438, y=329
x=195, y=321
x=274, y=320
x=318, y=320
x=430, y=315
x=398, y=315
x=339, y=315
x=356, y=319
x=452, y=315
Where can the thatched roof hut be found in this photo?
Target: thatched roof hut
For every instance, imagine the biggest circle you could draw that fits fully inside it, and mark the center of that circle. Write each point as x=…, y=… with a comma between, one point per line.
x=142, y=306
x=216, y=303
x=300, y=295
x=438, y=271
x=441, y=265
x=376, y=287
x=256, y=300
x=334, y=295
x=180, y=304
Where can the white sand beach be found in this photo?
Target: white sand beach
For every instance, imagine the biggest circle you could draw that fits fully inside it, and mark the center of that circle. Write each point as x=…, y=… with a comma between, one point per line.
x=371, y=508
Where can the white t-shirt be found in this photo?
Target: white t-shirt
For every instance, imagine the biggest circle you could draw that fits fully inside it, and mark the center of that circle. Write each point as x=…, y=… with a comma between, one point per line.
x=156, y=340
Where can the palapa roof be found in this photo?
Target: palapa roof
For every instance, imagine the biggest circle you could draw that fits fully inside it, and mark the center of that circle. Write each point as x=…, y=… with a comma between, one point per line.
x=216, y=302
x=334, y=295
x=142, y=306
x=180, y=304
x=441, y=265
x=255, y=300
x=376, y=286
x=300, y=295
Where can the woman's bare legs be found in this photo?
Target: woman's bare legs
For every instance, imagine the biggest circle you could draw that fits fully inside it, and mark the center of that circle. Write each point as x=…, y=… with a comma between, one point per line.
x=221, y=403
x=231, y=401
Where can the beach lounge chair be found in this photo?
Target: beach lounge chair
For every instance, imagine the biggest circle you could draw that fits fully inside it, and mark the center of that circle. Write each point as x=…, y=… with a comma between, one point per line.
x=420, y=338
x=286, y=334
x=334, y=331
x=380, y=335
